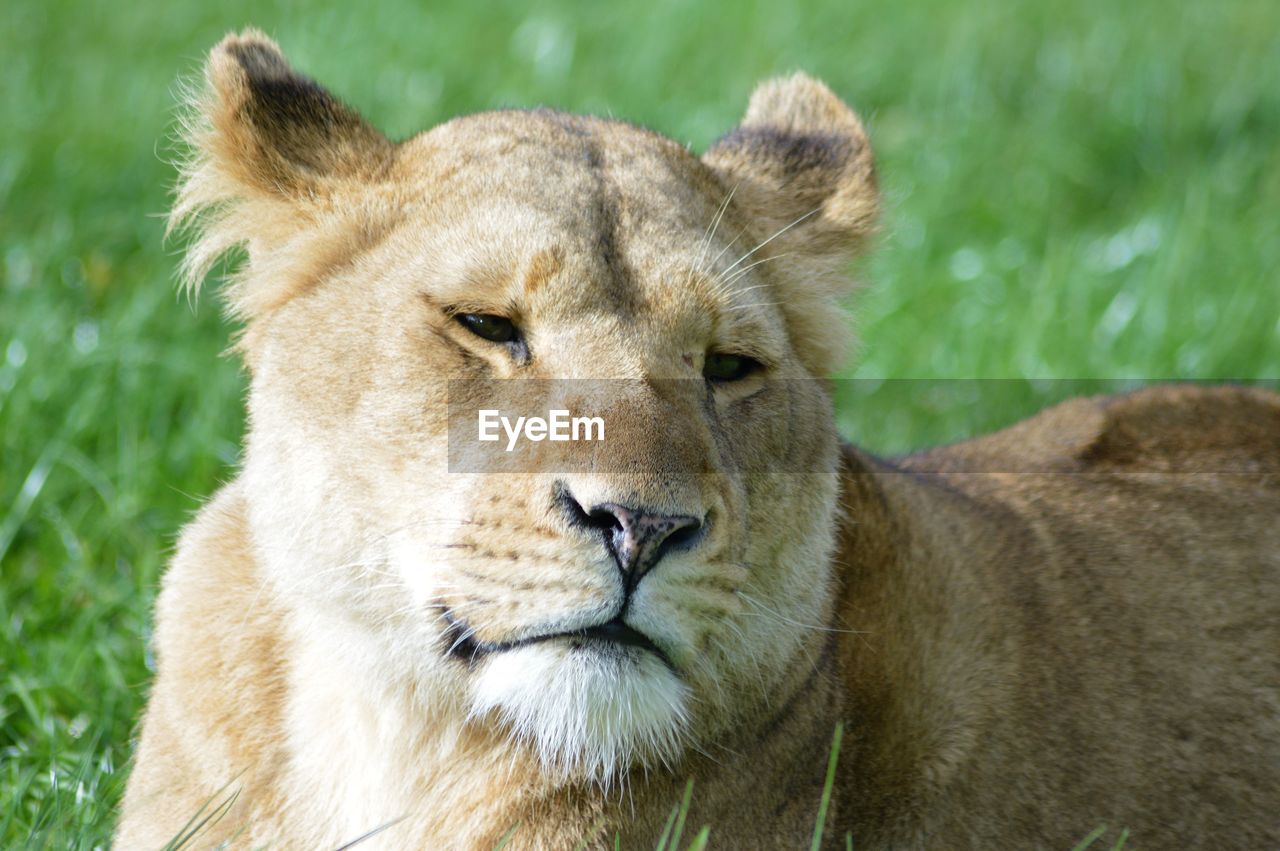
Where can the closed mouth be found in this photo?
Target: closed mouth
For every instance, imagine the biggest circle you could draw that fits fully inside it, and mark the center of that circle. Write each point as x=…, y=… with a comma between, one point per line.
x=464, y=646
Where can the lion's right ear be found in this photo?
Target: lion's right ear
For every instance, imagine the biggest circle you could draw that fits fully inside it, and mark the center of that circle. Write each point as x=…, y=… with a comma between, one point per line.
x=273, y=157
x=799, y=167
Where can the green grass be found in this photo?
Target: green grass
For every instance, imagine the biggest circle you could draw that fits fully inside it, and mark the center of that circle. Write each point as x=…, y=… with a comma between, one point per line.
x=1073, y=190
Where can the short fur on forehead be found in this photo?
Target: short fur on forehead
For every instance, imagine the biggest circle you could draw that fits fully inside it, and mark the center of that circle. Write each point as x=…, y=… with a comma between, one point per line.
x=282, y=168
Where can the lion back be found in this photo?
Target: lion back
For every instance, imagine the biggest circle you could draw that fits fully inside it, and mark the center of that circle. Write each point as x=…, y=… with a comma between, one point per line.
x=1162, y=429
x=1138, y=575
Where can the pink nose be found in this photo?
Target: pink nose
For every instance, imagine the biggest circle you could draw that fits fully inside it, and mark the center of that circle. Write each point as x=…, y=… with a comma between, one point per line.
x=637, y=539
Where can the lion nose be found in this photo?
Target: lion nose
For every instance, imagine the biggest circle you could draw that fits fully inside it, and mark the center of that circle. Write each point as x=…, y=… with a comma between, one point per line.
x=636, y=538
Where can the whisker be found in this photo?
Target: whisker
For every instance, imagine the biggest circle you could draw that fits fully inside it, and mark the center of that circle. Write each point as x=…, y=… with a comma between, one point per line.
x=753, y=304
x=468, y=633
x=727, y=246
x=776, y=234
x=711, y=231
x=726, y=282
x=745, y=290
x=784, y=619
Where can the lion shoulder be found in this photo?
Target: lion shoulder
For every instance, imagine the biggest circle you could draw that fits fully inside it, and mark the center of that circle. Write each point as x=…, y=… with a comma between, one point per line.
x=215, y=706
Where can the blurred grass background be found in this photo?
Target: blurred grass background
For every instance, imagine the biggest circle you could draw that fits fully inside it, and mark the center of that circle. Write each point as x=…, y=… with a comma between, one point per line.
x=1082, y=189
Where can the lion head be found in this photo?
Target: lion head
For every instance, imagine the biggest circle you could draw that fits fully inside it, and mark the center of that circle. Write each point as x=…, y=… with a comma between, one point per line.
x=604, y=615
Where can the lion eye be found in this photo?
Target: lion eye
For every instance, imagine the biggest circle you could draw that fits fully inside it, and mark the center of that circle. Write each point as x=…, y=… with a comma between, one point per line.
x=720, y=367
x=495, y=329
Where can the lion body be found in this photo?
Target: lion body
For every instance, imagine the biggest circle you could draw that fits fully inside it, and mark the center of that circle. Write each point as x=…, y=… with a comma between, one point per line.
x=1069, y=622
x=1099, y=586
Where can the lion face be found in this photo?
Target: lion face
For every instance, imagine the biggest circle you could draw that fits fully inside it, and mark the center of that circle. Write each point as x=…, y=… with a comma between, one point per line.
x=606, y=613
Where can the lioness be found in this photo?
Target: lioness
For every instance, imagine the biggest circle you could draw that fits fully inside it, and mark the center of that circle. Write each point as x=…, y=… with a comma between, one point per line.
x=1071, y=622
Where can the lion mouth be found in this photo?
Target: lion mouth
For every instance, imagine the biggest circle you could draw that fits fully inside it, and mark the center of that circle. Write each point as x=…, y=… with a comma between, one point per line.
x=464, y=646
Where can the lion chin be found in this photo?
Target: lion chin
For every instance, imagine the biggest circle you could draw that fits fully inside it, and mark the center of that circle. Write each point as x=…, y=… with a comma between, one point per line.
x=590, y=712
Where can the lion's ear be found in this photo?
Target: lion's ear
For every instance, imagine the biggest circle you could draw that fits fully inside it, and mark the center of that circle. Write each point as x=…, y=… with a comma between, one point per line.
x=800, y=160
x=279, y=132
x=801, y=171
x=272, y=155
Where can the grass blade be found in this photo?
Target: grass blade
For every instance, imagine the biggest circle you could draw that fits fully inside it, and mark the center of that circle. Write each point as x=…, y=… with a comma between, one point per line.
x=591, y=833
x=506, y=837
x=195, y=825
x=827, y=785
x=666, y=831
x=370, y=834
x=700, y=841
x=684, y=812
x=1091, y=838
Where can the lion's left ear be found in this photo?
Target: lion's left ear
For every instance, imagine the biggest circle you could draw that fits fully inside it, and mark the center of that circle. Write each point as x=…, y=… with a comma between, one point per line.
x=802, y=173
x=801, y=160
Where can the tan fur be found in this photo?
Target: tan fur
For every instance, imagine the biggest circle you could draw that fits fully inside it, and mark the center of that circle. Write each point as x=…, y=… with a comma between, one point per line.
x=1068, y=623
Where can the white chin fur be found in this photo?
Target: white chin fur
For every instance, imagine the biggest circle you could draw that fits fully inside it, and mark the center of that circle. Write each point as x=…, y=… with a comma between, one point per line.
x=590, y=712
